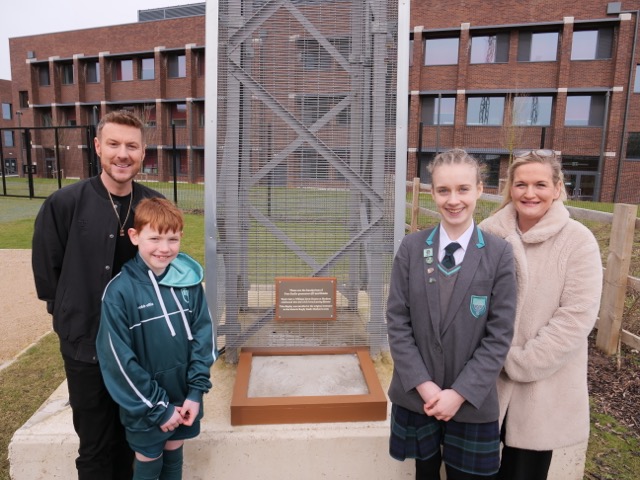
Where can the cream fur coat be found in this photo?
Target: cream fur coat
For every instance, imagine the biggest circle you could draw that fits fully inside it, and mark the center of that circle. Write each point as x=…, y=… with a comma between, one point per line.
x=543, y=386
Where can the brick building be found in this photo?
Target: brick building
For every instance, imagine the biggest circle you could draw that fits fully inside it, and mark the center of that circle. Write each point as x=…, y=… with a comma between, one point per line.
x=494, y=77
x=10, y=146
x=154, y=67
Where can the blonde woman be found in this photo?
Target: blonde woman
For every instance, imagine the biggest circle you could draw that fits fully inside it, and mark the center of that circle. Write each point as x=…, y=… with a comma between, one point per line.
x=544, y=401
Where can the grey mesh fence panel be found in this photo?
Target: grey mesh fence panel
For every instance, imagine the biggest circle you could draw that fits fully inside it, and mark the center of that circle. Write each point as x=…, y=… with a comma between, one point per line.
x=305, y=163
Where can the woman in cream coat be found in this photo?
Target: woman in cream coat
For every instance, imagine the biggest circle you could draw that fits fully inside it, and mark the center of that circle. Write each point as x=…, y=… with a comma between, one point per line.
x=542, y=389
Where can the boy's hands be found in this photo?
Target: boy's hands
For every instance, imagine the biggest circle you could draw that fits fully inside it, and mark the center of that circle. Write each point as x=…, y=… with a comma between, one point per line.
x=184, y=415
x=189, y=411
x=174, y=422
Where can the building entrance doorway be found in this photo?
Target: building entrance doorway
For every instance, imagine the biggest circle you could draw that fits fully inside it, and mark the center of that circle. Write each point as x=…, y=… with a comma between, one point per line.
x=580, y=185
x=10, y=166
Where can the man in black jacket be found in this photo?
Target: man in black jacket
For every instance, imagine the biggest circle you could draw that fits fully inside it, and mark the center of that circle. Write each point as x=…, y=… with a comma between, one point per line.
x=80, y=242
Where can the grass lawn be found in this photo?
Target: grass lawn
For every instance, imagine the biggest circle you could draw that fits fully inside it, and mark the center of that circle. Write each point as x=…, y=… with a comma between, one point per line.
x=613, y=450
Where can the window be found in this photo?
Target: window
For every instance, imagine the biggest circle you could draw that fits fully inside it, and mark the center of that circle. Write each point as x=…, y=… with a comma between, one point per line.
x=150, y=163
x=179, y=114
x=6, y=111
x=438, y=111
x=485, y=110
x=532, y=111
x=491, y=165
x=592, y=44
x=43, y=75
x=316, y=57
x=441, y=51
x=8, y=138
x=23, y=97
x=123, y=70
x=633, y=145
x=490, y=48
x=181, y=161
x=200, y=64
x=177, y=66
x=312, y=165
x=66, y=73
x=538, y=46
x=68, y=116
x=636, y=83
x=147, y=68
x=93, y=72
x=46, y=119
x=149, y=115
x=411, y=52
x=585, y=111
x=313, y=108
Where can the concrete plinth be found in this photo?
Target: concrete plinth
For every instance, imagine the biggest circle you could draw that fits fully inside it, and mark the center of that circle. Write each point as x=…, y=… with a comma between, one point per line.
x=46, y=446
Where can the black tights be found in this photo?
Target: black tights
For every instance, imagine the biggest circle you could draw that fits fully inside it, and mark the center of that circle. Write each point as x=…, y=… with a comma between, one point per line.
x=430, y=470
x=520, y=464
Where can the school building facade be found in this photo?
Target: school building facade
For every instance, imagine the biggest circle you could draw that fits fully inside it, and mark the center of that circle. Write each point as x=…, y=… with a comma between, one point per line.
x=491, y=77
x=154, y=67
x=498, y=77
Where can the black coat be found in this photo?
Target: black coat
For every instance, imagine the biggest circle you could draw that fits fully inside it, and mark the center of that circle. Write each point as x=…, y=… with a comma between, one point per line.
x=74, y=243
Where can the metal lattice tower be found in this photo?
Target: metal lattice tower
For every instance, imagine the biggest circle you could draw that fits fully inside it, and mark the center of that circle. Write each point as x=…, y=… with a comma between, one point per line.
x=305, y=162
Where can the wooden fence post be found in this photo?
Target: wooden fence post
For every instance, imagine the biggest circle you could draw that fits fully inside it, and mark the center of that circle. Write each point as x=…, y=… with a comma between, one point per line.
x=615, y=277
x=415, y=204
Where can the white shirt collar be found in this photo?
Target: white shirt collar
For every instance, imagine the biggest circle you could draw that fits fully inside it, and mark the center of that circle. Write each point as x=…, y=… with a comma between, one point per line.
x=463, y=240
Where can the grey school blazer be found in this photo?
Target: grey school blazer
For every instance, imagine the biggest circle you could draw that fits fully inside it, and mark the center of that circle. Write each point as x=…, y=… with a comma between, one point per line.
x=466, y=350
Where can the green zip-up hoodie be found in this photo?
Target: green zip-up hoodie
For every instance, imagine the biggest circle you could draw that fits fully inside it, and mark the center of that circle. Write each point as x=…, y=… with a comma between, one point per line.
x=156, y=341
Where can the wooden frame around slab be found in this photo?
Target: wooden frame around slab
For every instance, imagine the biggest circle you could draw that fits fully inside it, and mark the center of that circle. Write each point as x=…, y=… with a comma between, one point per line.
x=247, y=410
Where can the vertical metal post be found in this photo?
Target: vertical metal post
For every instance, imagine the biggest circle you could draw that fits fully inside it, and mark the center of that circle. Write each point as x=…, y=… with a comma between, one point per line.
x=438, y=124
x=623, y=140
x=20, y=142
x=603, y=142
x=29, y=166
x=3, y=172
x=57, y=155
x=92, y=156
x=402, y=114
x=175, y=164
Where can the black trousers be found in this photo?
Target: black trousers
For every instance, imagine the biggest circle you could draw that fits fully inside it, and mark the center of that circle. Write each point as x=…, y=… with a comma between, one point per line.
x=104, y=453
x=520, y=464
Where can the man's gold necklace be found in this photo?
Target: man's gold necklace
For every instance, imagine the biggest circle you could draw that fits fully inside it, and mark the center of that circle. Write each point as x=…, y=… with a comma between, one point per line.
x=115, y=209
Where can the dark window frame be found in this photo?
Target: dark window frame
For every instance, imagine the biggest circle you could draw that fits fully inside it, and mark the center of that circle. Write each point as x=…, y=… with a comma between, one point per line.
x=500, y=53
x=67, y=76
x=596, y=111
x=603, y=43
x=145, y=72
x=526, y=43
x=429, y=112
x=177, y=65
x=440, y=39
x=487, y=123
x=123, y=70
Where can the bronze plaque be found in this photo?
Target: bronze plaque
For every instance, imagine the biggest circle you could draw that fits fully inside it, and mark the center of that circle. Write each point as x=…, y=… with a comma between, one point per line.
x=306, y=298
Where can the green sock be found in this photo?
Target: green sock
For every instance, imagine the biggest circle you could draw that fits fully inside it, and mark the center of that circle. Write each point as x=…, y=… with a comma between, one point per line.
x=147, y=470
x=172, y=467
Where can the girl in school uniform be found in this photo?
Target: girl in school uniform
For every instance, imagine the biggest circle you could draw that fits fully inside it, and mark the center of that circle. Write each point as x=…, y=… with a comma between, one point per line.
x=450, y=316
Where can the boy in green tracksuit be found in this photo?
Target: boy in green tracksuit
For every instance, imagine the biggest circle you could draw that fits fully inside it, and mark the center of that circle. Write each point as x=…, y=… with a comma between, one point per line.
x=156, y=342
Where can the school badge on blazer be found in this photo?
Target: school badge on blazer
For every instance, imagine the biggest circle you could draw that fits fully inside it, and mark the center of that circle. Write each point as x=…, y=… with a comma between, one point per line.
x=478, y=305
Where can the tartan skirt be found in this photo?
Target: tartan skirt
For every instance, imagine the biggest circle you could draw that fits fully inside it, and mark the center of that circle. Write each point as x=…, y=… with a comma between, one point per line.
x=473, y=448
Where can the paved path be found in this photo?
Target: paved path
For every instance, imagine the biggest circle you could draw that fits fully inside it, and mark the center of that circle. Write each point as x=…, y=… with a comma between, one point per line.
x=23, y=318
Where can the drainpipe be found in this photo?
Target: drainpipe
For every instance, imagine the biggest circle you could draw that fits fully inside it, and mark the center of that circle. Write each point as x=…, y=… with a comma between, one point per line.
x=626, y=107
x=596, y=193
